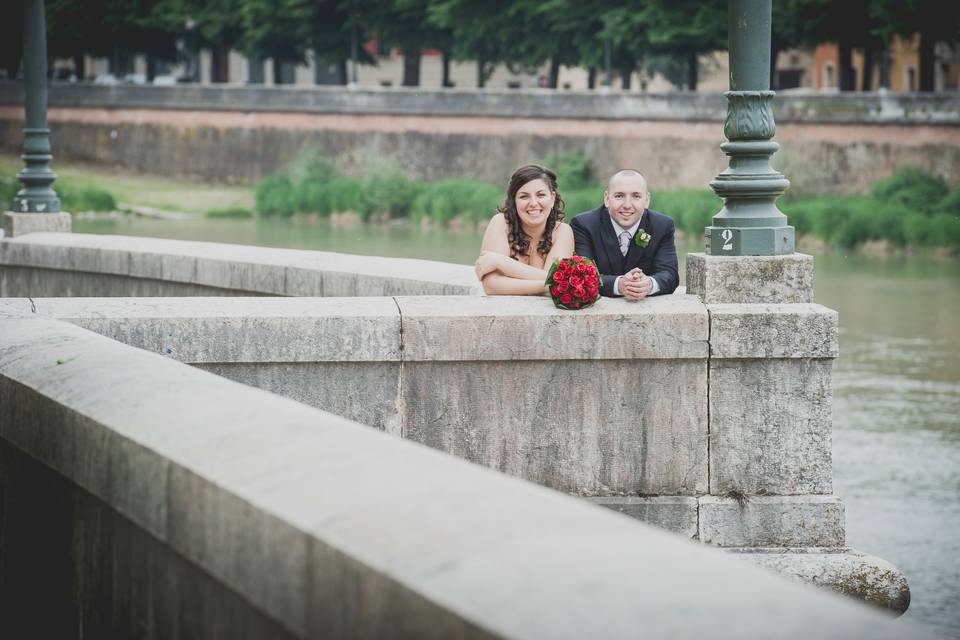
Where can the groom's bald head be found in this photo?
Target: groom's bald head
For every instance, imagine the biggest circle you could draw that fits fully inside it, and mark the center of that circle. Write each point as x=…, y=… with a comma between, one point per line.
x=626, y=173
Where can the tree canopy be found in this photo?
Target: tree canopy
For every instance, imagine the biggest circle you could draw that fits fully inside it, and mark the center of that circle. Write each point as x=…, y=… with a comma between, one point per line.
x=622, y=35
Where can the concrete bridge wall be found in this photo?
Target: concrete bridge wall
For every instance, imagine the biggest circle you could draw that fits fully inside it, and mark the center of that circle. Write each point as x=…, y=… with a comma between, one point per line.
x=833, y=143
x=711, y=420
x=525, y=389
x=145, y=498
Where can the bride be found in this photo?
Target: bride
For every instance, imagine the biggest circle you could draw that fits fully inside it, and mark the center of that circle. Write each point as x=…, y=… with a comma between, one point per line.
x=525, y=236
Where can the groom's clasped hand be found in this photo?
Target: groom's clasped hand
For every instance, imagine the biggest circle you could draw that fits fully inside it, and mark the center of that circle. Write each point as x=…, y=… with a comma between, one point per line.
x=631, y=245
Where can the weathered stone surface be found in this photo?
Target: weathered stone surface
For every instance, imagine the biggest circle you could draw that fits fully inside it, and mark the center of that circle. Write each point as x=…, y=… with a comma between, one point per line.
x=265, y=493
x=773, y=331
x=231, y=329
x=442, y=328
x=850, y=572
x=772, y=521
x=770, y=426
x=365, y=392
x=253, y=270
x=643, y=433
x=18, y=224
x=29, y=281
x=750, y=279
x=673, y=513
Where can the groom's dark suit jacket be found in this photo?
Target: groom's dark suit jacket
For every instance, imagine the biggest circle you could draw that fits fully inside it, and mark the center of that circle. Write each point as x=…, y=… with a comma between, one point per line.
x=595, y=239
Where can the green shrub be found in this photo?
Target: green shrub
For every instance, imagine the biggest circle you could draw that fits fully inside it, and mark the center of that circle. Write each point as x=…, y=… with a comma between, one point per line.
x=313, y=196
x=572, y=168
x=387, y=191
x=950, y=203
x=443, y=200
x=911, y=188
x=311, y=167
x=345, y=194
x=581, y=200
x=481, y=202
x=229, y=212
x=275, y=196
x=93, y=199
x=945, y=228
x=8, y=189
x=857, y=219
x=691, y=209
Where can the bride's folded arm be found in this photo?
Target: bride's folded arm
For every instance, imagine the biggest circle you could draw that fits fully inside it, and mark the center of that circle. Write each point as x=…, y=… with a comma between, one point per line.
x=497, y=284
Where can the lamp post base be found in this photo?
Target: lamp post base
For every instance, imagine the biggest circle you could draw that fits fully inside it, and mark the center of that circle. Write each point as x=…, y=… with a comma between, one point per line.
x=748, y=241
x=18, y=224
x=786, y=279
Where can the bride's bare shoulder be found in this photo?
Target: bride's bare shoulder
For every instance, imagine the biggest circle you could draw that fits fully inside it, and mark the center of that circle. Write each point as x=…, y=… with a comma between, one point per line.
x=498, y=221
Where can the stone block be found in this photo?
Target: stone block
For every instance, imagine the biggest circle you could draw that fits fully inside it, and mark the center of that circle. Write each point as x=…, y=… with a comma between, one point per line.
x=232, y=329
x=770, y=426
x=673, y=513
x=303, y=281
x=773, y=331
x=469, y=328
x=234, y=272
x=585, y=427
x=772, y=521
x=366, y=392
x=782, y=279
x=848, y=571
x=19, y=224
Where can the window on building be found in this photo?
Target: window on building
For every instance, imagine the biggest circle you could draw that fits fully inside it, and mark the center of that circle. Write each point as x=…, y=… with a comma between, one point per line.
x=910, y=80
x=829, y=79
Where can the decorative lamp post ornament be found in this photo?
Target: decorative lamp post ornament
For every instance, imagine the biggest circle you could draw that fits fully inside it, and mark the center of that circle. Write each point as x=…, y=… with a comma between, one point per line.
x=36, y=196
x=750, y=224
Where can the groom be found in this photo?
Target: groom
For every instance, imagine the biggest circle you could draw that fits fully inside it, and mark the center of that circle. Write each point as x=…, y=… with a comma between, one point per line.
x=632, y=245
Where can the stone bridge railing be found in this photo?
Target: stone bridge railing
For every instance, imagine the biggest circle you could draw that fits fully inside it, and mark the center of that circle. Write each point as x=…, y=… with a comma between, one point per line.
x=145, y=497
x=711, y=420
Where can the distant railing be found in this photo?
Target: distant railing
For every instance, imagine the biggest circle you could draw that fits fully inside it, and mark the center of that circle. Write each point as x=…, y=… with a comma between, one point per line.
x=790, y=106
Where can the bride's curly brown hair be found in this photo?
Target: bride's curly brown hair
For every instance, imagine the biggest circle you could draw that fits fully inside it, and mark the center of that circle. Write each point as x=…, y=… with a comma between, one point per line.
x=519, y=240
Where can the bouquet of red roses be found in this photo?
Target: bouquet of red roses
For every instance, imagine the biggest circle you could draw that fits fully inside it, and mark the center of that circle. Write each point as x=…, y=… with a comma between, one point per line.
x=574, y=282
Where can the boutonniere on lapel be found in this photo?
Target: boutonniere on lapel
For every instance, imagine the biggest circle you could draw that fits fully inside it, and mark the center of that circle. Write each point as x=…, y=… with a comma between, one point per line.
x=641, y=238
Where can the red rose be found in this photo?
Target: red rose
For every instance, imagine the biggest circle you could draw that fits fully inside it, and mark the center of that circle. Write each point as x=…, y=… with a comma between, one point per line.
x=563, y=286
x=558, y=276
x=574, y=281
x=554, y=291
x=563, y=264
x=580, y=292
x=581, y=268
x=577, y=258
x=566, y=298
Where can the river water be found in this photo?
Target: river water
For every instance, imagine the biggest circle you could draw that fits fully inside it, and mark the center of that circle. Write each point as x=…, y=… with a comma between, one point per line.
x=896, y=440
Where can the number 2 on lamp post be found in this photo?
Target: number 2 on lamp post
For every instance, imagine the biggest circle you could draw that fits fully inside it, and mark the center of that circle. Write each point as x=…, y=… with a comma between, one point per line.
x=727, y=236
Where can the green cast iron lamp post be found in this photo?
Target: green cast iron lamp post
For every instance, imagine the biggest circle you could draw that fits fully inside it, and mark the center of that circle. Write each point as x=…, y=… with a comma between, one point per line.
x=750, y=224
x=36, y=196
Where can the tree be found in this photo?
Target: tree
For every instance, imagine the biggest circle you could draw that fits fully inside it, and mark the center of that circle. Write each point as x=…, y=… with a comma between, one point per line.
x=112, y=28
x=682, y=29
x=404, y=24
x=480, y=30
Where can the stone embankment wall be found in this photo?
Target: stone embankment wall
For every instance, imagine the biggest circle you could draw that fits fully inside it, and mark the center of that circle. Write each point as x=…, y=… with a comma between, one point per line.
x=143, y=497
x=831, y=143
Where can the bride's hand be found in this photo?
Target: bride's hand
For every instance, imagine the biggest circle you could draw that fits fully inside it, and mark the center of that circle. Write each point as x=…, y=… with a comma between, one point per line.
x=486, y=263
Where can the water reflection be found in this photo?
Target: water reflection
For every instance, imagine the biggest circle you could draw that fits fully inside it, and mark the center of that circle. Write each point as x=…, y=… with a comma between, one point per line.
x=896, y=385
